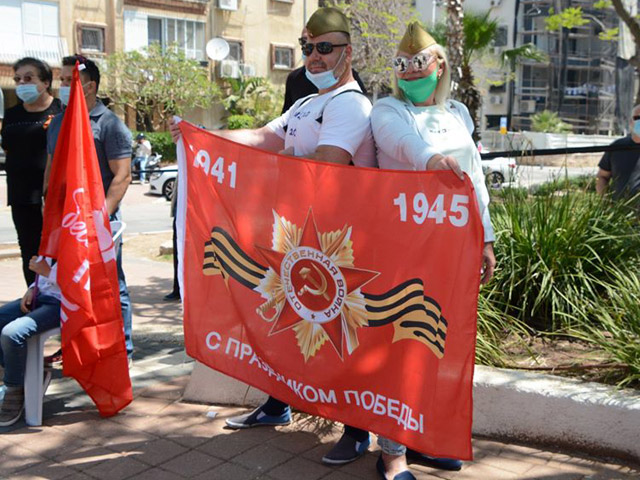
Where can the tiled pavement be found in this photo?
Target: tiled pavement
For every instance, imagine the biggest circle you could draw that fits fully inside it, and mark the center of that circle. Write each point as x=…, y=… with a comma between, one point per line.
x=159, y=437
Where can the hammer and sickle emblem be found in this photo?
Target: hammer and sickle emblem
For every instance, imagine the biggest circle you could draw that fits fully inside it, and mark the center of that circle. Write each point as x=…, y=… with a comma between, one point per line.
x=320, y=288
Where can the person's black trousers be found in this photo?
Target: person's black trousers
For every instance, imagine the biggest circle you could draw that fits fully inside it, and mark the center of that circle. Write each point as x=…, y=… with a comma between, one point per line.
x=176, y=285
x=28, y=222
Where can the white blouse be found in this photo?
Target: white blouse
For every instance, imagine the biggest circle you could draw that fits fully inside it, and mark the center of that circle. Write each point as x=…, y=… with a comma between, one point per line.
x=407, y=136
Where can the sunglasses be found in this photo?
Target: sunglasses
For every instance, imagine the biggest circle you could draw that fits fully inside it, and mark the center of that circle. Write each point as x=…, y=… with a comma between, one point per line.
x=302, y=41
x=420, y=62
x=323, y=48
x=637, y=117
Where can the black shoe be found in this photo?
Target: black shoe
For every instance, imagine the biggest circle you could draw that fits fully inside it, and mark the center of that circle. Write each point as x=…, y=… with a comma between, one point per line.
x=171, y=297
x=450, y=464
x=406, y=475
x=346, y=450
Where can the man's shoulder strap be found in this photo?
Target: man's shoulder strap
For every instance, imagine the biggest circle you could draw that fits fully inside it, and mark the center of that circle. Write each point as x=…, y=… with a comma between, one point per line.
x=319, y=119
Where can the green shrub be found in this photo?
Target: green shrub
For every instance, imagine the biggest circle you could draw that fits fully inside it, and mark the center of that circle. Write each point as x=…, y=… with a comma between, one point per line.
x=549, y=122
x=235, y=122
x=162, y=144
x=555, y=253
x=617, y=331
x=586, y=183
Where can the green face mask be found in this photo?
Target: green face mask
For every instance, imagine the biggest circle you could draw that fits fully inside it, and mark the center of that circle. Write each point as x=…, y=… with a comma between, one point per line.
x=420, y=89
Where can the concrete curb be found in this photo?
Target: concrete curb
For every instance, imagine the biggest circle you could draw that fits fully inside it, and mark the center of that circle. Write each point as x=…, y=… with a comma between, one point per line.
x=524, y=406
x=548, y=409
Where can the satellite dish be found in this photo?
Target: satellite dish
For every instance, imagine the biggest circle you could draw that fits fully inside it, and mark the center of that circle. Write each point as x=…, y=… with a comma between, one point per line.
x=217, y=48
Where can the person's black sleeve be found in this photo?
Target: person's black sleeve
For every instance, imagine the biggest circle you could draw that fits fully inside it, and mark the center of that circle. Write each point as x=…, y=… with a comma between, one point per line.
x=605, y=161
x=288, y=93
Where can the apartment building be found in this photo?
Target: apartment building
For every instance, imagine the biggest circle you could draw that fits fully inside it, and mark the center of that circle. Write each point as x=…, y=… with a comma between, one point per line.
x=262, y=34
x=586, y=80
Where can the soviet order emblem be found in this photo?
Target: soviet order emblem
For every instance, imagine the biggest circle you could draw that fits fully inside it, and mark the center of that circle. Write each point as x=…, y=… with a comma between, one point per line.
x=312, y=286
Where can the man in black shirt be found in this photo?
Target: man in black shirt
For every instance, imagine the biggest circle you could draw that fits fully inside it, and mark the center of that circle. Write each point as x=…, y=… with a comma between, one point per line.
x=622, y=168
x=299, y=86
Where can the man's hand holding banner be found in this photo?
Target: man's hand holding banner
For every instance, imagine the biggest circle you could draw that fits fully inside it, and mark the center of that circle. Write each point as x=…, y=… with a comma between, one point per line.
x=349, y=293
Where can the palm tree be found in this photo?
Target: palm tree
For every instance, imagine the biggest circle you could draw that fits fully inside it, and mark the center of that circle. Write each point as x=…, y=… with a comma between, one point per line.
x=455, y=40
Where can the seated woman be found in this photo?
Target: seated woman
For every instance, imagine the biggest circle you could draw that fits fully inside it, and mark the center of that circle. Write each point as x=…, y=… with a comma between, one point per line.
x=36, y=312
x=420, y=128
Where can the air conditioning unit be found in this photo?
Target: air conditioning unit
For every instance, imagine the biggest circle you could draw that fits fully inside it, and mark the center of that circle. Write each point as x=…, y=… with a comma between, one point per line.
x=248, y=70
x=527, y=106
x=228, y=4
x=496, y=100
x=228, y=69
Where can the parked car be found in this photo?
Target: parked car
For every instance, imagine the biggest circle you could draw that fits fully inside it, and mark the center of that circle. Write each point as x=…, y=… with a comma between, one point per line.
x=499, y=170
x=163, y=180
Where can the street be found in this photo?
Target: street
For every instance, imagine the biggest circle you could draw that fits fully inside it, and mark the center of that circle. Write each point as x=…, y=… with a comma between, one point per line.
x=141, y=212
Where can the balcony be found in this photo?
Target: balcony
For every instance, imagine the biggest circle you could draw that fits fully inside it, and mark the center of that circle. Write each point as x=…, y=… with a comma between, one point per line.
x=49, y=49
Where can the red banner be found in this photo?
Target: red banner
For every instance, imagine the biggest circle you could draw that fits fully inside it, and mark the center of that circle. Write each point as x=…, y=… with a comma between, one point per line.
x=349, y=293
x=77, y=233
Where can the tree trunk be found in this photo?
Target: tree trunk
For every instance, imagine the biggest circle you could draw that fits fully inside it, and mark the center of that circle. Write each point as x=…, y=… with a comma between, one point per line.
x=634, y=28
x=455, y=42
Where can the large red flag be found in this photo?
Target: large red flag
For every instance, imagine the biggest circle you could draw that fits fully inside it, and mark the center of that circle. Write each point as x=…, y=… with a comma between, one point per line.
x=77, y=233
x=347, y=292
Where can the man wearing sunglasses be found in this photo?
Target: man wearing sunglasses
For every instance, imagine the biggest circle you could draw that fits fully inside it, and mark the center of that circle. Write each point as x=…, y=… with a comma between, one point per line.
x=298, y=85
x=622, y=168
x=331, y=126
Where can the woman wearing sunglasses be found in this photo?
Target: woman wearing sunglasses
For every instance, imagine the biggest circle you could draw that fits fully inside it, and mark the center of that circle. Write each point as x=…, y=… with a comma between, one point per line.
x=420, y=128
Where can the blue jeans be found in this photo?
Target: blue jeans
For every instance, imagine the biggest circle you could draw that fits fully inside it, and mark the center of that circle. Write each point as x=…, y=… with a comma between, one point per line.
x=17, y=327
x=141, y=163
x=125, y=301
x=390, y=447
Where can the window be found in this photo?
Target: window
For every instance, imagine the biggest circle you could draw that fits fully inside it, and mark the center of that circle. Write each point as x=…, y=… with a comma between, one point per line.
x=502, y=36
x=281, y=57
x=142, y=30
x=91, y=39
x=235, y=51
x=30, y=28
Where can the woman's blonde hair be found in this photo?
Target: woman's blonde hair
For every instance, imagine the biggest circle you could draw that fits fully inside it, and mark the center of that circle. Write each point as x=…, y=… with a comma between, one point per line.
x=443, y=89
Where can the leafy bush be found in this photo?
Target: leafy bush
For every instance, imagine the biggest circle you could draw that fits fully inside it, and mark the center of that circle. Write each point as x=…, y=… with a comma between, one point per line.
x=161, y=143
x=554, y=253
x=255, y=97
x=618, y=328
x=586, y=183
x=549, y=122
x=235, y=122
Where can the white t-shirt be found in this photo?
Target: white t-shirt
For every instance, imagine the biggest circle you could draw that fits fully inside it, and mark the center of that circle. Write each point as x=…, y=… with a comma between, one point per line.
x=143, y=149
x=345, y=124
x=47, y=285
x=407, y=136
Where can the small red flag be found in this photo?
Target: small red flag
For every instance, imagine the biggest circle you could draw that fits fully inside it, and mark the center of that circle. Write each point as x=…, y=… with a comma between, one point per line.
x=77, y=233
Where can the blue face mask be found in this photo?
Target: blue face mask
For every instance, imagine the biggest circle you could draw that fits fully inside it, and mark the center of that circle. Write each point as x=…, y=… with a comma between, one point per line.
x=324, y=80
x=65, y=93
x=636, y=128
x=28, y=93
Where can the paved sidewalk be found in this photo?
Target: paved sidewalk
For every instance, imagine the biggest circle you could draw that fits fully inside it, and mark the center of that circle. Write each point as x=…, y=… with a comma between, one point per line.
x=159, y=437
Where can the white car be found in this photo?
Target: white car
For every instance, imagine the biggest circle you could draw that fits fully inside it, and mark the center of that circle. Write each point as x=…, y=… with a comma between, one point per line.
x=163, y=181
x=499, y=170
